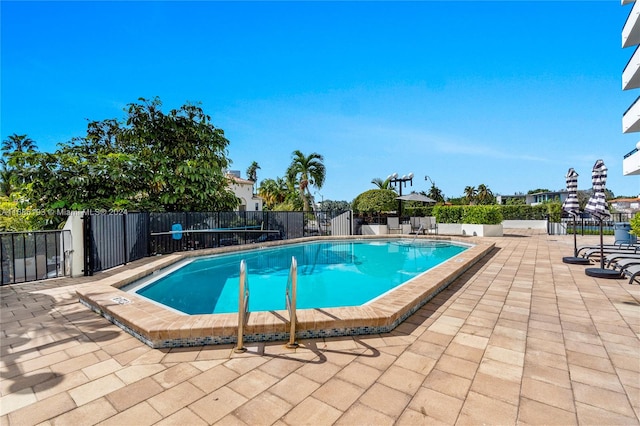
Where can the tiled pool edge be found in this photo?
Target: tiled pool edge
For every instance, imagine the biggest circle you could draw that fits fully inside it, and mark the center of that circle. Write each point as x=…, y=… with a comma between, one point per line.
x=160, y=328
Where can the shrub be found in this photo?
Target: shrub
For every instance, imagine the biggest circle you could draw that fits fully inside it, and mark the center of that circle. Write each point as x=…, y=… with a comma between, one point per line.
x=375, y=200
x=635, y=225
x=475, y=215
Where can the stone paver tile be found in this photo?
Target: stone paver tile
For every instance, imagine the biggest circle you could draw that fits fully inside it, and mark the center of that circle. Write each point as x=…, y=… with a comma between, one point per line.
x=318, y=372
x=360, y=414
x=134, y=393
x=480, y=409
x=338, y=393
x=590, y=415
x=547, y=359
x=548, y=394
x=17, y=400
x=214, y=378
x=385, y=399
x=595, y=378
x=252, y=383
x=457, y=366
x=264, y=409
x=412, y=417
x=217, y=404
x=590, y=361
x=89, y=414
x=294, y=388
x=586, y=348
x=537, y=413
x=187, y=417
x=42, y=410
x=436, y=405
x=175, y=375
x=124, y=344
x=555, y=376
x=280, y=367
x=497, y=388
x=312, y=412
x=175, y=398
x=380, y=361
x=471, y=340
x=231, y=420
x=507, y=342
x=507, y=356
x=447, y=383
x=464, y=352
x=500, y=370
x=359, y=374
x=404, y=380
x=603, y=398
x=95, y=389
x=139, y=415
x=245, y=363
x=101, y=369
x=35, y=364
x=180, y=355
x=75, y=363
x=416, y=362
x=134, y=373
x=215, y=352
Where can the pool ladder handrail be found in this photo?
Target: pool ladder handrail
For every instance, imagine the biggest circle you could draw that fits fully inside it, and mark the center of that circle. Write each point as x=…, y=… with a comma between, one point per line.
x=243, y=305
x=291, y=299
x=420, y=228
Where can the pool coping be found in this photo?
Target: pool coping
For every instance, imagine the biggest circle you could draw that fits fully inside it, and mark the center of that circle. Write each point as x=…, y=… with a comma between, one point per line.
x=159, y=327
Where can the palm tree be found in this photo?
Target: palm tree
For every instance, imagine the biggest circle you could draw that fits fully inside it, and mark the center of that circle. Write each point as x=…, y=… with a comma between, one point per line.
x=252, y=173
x=18, y=143
x=381, y=184
x=307, y=171
x=484, y=194
x=436, y=193
x=470, y=193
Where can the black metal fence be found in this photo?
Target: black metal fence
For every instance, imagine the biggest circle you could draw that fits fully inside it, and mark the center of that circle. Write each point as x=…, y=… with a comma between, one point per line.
x=34, y=255
x=113, y=240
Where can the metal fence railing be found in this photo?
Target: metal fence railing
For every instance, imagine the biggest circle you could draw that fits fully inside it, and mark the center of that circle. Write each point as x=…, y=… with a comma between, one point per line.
x=34, y=255
x=113, y=240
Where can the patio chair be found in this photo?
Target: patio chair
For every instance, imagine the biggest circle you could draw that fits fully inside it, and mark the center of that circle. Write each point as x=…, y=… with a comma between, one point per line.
x=416, y=225
x=632, y=271
x=429, y=224
x=393, y=225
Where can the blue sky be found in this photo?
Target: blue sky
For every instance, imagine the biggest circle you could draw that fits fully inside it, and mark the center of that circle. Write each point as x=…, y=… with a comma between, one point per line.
x=509, y=94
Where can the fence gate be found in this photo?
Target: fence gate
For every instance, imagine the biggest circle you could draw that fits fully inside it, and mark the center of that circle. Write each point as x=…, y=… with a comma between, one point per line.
x=111, y=240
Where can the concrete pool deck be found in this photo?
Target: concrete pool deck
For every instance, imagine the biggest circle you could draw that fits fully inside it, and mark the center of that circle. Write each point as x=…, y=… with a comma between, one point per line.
x=520, y=338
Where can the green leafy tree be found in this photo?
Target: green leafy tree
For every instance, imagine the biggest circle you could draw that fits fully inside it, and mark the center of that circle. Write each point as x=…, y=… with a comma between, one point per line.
x=331, y=205
x=307, y=171
x=536, y=191
x=18, y=143
x=375, y=200
x=152, y=161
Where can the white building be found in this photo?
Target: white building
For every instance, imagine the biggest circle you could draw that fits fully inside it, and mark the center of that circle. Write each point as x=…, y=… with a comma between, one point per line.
x=243, y=189
x=631, y=80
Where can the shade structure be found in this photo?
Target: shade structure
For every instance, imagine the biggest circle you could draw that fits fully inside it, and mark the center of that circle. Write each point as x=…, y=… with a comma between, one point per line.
x=598, y=208
x=414, y=196
x=572, y=207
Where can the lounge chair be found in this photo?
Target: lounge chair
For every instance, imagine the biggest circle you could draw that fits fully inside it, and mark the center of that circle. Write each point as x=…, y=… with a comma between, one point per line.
x=632, y=271
x=613, y=257
x=618, y=246
x=625, y=262
x=595, y=252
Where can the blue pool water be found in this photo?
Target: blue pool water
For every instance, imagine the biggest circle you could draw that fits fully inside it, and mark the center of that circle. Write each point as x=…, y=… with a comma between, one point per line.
x=330, y=274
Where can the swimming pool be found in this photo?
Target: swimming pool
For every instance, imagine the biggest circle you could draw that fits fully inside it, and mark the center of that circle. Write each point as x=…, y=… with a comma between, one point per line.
x=330, y=274
x=161, y=327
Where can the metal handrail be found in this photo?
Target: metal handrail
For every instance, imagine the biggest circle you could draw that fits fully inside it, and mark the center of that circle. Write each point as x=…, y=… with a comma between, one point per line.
x=243, y=305
x=290, y=299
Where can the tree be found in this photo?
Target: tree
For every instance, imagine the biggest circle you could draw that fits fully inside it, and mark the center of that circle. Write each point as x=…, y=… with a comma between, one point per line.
x=382, y=184
x=153, y=161
x=470, y=193
x=484, y=195
x=435, y=193
x=375, y=200
x=536, y=191
x=252, y=173
x=307, y=171
x=18, y=143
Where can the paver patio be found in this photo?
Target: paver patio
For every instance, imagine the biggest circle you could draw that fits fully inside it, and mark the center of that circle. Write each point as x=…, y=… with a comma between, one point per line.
x=521, y=338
